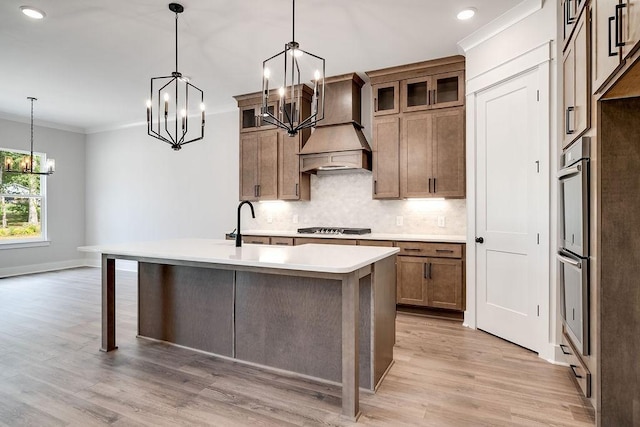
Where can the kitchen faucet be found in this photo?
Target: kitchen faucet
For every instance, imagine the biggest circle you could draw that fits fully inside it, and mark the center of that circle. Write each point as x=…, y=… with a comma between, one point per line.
x=238, y=234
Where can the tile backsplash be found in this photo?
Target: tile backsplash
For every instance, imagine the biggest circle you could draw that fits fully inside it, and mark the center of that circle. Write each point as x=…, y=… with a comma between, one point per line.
x=343, y=199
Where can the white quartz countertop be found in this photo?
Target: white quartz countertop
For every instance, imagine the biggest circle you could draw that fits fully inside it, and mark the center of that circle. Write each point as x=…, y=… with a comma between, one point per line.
x=371, y=236
x=310, y=257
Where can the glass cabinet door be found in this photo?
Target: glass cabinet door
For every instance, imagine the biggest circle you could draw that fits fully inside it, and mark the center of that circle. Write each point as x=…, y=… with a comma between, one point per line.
x=386, y=99
x=416, y=94
x=447, y=90
x=251, y=118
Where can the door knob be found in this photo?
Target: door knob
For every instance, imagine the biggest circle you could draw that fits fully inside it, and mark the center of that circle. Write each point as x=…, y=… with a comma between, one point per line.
x=479, y=240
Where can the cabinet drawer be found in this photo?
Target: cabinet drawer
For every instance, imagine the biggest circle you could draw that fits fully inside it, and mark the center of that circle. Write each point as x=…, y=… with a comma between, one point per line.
x=442, y=250
x=303, y=240
x=386, y=243
x=282, y=241
x=579, y=370
x=259, y=240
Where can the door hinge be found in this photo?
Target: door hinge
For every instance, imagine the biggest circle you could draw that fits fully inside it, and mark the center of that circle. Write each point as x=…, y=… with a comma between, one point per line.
x=537, y=166
x=538, y=311
x=538, y=238
x=538, y=95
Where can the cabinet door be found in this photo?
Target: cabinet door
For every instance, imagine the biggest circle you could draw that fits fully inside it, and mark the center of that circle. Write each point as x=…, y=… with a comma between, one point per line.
x=256, y=240
x=386, y=98
x=289, y=168
x=386, y=158
x=249, y=119
x=448, y=153
x=606, y=55
x=447, y=90
x=268, y=165
x=576, y=96
x=416, y=156
x=416, y=94
x=248, y=166
x=444, y=283
x=630, y=26
x=411, y=272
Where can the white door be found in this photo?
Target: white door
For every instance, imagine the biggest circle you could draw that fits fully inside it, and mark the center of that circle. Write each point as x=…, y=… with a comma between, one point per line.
x=509, y=261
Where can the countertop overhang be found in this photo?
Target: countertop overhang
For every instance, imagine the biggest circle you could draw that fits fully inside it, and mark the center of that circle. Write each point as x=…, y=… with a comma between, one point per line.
x=308, y=257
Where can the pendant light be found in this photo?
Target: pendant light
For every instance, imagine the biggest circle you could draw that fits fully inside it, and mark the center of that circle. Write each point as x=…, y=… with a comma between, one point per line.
x=295, y=68
x=27, y=165
x=174, y=98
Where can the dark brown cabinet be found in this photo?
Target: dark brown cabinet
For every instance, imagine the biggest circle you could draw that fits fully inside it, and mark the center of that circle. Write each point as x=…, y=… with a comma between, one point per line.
x=418, y=130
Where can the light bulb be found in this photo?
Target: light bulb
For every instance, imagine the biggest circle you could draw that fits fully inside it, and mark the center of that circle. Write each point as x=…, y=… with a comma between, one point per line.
x=183, y=112
x=316, y=75
x=166, y=96
x=267, y=73
x=202, y=106
x=281, y=92
x=148, y=103
x=296, y=52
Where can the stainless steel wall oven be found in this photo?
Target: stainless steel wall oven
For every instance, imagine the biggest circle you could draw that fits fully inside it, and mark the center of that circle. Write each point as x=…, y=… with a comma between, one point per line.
x=573, y=255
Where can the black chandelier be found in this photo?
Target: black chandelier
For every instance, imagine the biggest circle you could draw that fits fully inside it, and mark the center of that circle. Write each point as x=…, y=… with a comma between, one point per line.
x=27, y=164
x=178, y=87
x=291, y=63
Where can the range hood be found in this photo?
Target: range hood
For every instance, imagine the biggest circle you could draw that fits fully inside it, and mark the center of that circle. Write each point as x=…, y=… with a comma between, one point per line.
x=337, y=143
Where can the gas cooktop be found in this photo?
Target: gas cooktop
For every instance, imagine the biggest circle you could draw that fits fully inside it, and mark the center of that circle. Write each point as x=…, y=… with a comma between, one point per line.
x=333, y=230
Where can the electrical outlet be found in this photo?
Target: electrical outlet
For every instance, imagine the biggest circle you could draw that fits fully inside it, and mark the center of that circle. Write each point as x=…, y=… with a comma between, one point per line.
x=295, y=219
x=269, y=219
x=441, y=221
x=399, y=221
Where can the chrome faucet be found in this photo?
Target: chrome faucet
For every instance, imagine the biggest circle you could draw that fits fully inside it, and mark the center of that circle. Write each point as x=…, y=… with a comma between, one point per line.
x=238, y=234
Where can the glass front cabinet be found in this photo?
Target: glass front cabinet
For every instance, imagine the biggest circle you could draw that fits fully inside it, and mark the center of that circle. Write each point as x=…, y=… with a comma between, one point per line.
x=434, y=91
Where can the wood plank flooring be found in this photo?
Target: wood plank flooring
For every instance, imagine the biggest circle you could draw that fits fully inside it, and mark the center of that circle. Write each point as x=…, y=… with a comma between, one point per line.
x=52, y=374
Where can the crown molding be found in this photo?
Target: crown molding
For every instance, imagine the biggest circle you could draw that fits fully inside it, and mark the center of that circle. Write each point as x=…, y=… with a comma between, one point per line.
x=41, y=123
x=501, y=23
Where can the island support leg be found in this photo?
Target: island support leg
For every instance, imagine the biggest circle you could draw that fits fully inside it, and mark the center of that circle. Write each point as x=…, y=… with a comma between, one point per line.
x=108, y=304
x=350, y=364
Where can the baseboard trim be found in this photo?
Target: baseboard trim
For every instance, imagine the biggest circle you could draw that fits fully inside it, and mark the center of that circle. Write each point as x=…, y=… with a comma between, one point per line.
x=41, y=268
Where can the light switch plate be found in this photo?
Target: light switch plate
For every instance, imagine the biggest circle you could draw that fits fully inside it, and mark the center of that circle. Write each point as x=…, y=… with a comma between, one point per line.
x=441, y=221
x=295, y=218
x=269, y=219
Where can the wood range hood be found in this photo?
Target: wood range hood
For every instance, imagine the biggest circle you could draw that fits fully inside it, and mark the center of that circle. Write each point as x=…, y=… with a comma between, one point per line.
x=337, y=143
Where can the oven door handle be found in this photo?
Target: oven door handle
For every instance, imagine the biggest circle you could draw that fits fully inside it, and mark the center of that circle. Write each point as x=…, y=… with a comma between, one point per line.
x=570, y=261
x=569, y=171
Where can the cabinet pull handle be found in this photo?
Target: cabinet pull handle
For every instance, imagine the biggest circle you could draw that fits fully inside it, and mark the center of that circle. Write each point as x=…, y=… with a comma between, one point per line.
x=562, y=347
x=375, y=186
x=413, y=249
x=424, y=270
x=430, y=264
x=611, y=19
x=567, y=118
x=282, y=243
x=573, y=368
x=259, y=190
x=255, y=191
x=375, y=104
x=429, y=185
x=570, y=19
x=434, y=98
x=434, y=185
x=448, y=251
x=297, y=189
x=619, y=7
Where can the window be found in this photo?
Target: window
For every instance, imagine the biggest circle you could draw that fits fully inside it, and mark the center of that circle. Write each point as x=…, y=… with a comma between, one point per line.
x=22, y=200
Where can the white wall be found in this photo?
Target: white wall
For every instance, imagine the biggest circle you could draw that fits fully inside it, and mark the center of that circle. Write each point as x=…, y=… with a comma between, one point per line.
x=65, y=199
x=138, y=188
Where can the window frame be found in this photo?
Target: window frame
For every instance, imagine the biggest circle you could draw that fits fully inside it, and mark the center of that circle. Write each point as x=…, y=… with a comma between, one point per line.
x=43, y=238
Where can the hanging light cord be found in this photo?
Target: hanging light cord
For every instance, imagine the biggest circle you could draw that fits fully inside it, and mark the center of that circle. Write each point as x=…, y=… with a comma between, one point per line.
x=293, y=18
x=31, y=152
x=176, y=42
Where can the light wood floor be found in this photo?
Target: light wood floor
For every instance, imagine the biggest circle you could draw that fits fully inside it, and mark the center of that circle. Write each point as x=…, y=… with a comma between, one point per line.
x=51, y=373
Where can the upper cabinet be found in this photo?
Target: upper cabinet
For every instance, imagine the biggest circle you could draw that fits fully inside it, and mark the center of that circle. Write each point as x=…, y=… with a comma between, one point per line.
x=571, y=10
x=418, y=130
x=269, y=158
x=607, y=29
x=577, y=96
x=629, y=26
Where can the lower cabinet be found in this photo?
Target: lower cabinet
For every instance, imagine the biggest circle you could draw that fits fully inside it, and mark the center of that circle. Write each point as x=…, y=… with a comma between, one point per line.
x=430, y=282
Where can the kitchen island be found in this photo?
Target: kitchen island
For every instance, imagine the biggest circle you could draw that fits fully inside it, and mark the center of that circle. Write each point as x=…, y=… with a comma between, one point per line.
x=325, y=312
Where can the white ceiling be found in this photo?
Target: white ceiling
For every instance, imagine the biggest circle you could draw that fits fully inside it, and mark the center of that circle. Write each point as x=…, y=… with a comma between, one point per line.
x=89, y=61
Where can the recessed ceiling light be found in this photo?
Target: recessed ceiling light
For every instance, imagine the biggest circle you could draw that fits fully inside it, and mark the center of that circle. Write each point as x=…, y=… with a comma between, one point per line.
x=467, y=13
x=32, y=12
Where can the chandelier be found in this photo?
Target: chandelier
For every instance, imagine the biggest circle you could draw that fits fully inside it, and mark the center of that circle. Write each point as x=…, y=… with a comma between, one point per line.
x=292, y=64
x=27, y=164
x=170, y=103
